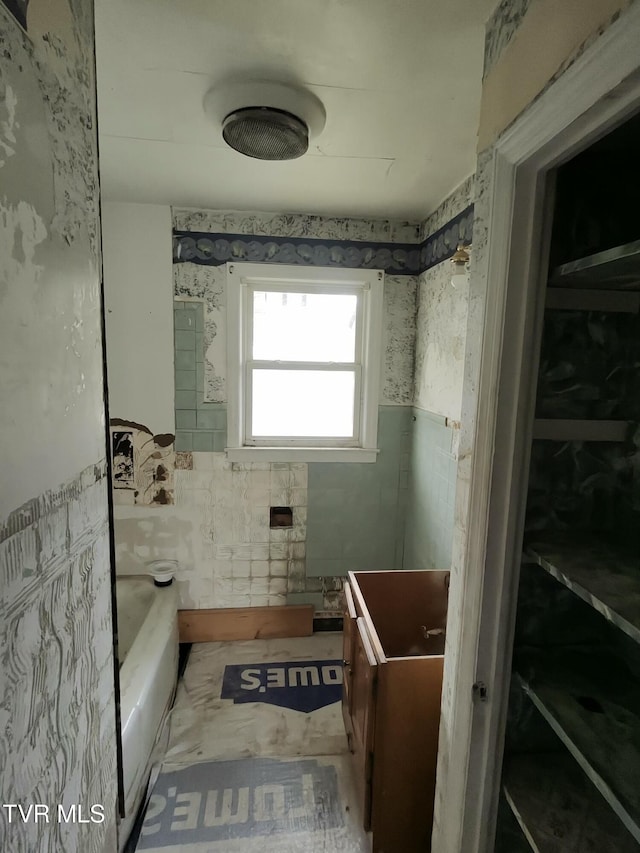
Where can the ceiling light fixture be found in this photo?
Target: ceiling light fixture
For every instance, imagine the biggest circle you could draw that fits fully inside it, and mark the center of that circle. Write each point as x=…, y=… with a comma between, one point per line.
x=266, y=121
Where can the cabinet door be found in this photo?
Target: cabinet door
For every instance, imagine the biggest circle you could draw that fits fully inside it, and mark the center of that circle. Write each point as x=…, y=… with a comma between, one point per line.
x=363, y=686
x=348, y=636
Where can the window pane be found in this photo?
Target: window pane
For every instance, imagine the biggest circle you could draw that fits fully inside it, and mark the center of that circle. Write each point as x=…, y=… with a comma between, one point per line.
x=304, y=326
x=305, y=403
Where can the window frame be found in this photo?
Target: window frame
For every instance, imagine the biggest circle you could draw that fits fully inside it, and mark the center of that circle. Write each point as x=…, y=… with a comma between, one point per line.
x=241, y=281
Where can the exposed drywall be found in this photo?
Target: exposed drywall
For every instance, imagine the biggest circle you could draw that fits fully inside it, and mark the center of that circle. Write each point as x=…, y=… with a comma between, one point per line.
x=57, y=714
x=548, y=35
x=138, y=290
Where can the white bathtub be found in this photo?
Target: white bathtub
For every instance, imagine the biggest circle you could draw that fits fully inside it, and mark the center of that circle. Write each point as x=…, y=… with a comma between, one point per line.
x=148, y=654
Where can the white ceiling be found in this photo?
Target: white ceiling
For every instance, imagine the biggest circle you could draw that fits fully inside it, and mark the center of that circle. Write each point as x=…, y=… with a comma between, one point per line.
x=400, y=81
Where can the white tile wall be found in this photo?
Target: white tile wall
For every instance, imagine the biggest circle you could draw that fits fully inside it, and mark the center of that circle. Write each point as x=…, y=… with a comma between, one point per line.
x=235, y=559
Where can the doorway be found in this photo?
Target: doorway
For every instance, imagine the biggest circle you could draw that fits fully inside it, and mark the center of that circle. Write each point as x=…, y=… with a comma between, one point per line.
x=596, y=94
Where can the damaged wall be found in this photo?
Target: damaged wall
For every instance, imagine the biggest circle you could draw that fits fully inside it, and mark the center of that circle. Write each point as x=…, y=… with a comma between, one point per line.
x=440, y=345
x=361, y=519
x=218, y=523
x=529, y=45
x=57, y=713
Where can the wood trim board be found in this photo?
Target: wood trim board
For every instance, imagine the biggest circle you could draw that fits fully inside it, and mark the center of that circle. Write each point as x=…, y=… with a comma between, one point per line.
x=245, y=623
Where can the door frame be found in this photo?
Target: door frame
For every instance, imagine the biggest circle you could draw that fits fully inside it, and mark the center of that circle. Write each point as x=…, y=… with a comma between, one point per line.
x=596, y=93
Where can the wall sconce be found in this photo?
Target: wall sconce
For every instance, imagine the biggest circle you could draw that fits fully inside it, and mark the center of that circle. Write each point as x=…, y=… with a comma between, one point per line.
x=460, y=267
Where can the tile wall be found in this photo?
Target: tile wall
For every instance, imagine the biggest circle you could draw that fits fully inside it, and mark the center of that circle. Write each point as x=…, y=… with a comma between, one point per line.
x=200, y=425
x=431, y=493
x=356, y=512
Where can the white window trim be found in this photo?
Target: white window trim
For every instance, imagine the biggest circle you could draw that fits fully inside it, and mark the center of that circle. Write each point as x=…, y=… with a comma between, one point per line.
x=368, y=283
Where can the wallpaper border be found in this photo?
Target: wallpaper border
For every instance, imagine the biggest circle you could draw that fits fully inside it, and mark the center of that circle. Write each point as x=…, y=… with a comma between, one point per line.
x=216, y=249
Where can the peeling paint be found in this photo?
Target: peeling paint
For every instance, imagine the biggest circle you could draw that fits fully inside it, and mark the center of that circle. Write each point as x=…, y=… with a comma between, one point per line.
x=208, y=284
x=8, y=123
x=57, y=713
x=143, y=464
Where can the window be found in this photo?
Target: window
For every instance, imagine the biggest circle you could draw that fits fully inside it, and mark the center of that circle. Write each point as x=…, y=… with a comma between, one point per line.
x=303, y=362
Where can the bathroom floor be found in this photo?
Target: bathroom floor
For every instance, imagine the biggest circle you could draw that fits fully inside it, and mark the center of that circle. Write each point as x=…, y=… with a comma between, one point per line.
x=257, y=756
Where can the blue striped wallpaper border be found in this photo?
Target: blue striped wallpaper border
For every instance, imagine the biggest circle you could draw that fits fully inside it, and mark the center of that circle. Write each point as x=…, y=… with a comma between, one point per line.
x=200, y=247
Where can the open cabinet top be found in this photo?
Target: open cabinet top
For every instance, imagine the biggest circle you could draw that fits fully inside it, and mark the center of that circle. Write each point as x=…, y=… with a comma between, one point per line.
x=407, y=609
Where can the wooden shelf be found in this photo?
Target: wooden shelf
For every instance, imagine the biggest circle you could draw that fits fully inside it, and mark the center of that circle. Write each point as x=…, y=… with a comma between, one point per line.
x=558, y=809
x=605, y=578
x=593, y=705
x=617, y=269
x=559, y=429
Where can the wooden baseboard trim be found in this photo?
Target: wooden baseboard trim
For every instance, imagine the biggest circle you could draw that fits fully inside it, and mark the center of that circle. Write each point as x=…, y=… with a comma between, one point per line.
x=245, y=623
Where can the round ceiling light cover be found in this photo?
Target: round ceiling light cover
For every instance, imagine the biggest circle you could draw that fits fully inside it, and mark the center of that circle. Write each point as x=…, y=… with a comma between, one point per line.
x=266, y=133
x=266, y=121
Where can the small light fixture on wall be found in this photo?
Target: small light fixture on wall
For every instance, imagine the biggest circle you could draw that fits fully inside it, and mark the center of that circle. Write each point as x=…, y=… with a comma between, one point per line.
x=460, y=267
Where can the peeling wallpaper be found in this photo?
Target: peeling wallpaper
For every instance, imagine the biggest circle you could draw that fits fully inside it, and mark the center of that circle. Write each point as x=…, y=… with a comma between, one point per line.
x=207, y=283
x=296, y=225
x=501, y=27
x=142, y=465
x=57, y=712
x=217, y=526
x=441, y=323
x=441, y=328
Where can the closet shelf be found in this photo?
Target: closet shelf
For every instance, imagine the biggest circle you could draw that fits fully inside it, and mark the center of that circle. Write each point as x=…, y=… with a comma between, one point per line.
x=593, y=705
x=558, y=429
x=604, y=577
x=558, y=808
x=617, y=269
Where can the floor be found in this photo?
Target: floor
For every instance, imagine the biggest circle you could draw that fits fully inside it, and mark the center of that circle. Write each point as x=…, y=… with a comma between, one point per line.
x=257, y=757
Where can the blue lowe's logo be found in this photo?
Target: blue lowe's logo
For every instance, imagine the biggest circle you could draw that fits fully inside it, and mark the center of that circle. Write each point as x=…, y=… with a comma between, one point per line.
x=299, y=685
x=219, y=801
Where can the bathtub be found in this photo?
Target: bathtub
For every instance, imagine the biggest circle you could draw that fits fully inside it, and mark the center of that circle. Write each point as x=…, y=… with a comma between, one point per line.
x=148, y=656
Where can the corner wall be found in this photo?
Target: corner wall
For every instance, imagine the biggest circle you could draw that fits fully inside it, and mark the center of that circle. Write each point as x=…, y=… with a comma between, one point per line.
x=57, y=713
x=440, y=345
x=138, y=290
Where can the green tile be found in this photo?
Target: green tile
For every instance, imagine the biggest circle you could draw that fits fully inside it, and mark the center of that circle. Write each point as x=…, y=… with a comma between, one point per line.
x=184, y=441
x=185, y=399
x=185, y=359
x=199, y=346
x=206, y=419
x=185, y=380
x=200, y=375
x=221, y=417
x=200, y=321
x=184, y=320
x=185, y=340
x=185, y=419
x=203, y=441
x=315, y=598
x=323, y=547
x=326, y=568
x=219, y=441
x=193, y=306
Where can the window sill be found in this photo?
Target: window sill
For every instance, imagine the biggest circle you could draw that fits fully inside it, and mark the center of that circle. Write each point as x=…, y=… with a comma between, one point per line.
x=301, y=454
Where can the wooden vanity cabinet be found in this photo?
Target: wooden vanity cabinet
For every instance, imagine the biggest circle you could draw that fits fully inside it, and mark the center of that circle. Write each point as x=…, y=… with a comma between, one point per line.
x=394, y=623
